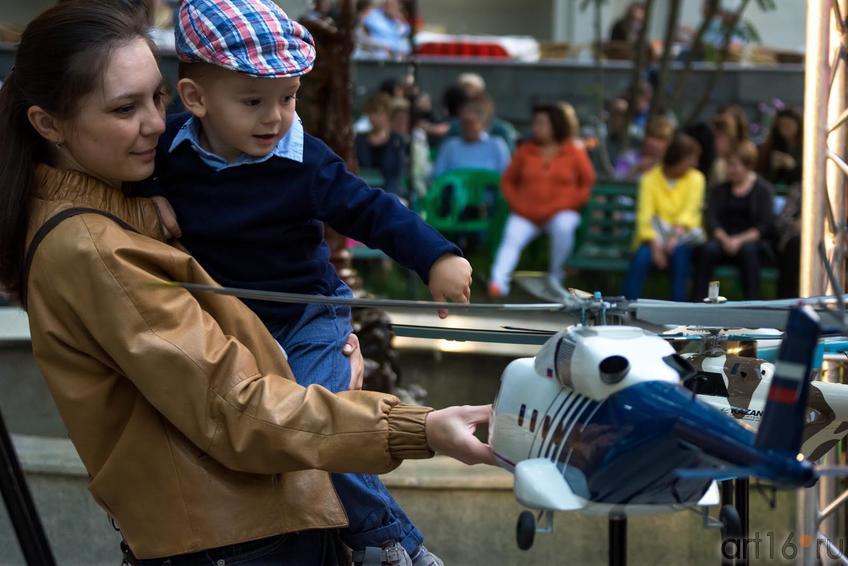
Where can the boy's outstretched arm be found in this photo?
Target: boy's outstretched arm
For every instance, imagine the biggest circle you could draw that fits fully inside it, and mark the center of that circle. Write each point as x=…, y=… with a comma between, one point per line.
x=450, y=278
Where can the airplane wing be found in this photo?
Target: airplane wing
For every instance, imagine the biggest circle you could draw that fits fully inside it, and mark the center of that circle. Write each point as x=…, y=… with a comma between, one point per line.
x=540, y=485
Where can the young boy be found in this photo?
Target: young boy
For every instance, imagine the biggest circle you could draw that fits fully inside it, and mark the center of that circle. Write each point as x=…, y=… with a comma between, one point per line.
x=250, y=190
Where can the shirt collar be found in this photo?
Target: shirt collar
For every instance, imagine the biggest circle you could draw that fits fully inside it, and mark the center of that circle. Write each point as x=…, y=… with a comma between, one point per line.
x=290, y=146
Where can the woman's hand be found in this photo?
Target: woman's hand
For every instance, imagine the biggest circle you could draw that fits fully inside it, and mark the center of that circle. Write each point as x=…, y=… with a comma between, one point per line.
x=731, y=245
x=450, y=278
x=451, y=432
x=658, y=255
x=168, y=218
x=352, y=350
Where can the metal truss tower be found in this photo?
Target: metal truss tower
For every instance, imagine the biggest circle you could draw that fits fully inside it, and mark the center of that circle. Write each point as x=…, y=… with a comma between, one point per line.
x=823, y=229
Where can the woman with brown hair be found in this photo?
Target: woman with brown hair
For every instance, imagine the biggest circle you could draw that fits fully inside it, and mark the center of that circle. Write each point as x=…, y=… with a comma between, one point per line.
x=740, y=216
x=781, y=154
x=196, y=436
x=668, y=219
x=549, y=179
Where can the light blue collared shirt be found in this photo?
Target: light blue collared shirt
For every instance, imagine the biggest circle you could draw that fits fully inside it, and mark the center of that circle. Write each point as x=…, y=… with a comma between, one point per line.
x=290, y=146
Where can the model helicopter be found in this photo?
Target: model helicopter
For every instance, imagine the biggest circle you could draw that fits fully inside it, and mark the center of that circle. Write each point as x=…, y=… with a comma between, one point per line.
x=599, y=420
x=738, y=386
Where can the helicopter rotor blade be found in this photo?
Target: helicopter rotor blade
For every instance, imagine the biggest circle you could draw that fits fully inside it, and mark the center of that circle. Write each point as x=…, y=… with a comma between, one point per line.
x=299, y=298
x=472, y=334
x=735, y=314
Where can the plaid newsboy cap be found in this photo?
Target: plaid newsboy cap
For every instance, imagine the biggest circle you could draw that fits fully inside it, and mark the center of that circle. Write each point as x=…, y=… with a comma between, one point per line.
x=254, y=37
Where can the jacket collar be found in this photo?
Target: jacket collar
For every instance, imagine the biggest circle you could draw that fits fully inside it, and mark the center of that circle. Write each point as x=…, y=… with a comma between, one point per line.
x=290, y=146
x=65, y=184
x=74, y=186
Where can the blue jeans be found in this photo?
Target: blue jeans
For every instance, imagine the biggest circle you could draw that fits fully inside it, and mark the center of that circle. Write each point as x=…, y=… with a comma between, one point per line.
x=641, y=264
x=313, y=344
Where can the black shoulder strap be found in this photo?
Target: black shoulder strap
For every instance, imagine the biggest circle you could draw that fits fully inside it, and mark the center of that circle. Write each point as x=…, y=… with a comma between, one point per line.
x=45, y=229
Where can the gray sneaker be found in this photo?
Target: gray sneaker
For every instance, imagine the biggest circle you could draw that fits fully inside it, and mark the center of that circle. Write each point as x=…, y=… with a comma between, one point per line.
x=426, y=558
x=393, y=554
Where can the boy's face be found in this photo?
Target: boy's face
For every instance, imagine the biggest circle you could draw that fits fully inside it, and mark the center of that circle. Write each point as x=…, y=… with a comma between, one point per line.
x=241, y=114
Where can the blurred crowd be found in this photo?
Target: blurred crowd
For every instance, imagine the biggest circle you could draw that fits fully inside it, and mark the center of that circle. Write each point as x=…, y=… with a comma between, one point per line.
x=724, y=190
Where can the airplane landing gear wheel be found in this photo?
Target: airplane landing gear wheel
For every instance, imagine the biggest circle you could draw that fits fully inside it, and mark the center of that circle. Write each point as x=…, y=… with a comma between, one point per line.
x=731, y=523
x=525, y=531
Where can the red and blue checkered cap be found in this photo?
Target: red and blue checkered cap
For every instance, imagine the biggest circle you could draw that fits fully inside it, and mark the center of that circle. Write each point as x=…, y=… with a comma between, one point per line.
x=254, y=37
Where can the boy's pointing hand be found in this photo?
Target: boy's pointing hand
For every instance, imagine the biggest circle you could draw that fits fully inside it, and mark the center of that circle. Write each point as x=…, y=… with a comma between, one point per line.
x=450, y=279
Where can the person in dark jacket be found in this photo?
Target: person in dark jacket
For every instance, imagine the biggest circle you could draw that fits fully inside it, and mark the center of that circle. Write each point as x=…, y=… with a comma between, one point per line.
x=381, y=148
x=782, y=152
x=740, y=215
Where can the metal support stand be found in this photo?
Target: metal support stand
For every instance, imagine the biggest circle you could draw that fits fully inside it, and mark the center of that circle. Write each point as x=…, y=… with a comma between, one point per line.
x=19, y=504
x=617, y=540
x=726, y=488
x=741, y=503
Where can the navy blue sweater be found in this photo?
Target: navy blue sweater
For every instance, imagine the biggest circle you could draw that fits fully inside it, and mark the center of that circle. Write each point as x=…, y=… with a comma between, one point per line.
x=259, y=226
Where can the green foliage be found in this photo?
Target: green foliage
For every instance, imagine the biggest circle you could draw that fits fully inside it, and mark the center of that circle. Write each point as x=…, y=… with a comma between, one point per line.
x=748, y=31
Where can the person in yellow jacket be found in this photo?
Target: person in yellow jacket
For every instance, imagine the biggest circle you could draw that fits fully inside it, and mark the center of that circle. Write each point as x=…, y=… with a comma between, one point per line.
x=198, y=440
x=668, y=219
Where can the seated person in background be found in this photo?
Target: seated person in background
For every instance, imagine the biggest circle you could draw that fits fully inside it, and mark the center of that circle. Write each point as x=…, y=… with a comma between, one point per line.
x=781, y=153
x=381, y=148
x=740, y=214
x=386, y=30
x=402, y=119
x=546, y=184
x=474, y=148
x=641, y=109
x=627, y=28
x=725, y=137
x=634, y=163
x=474, y=87
x=612, y=136
x=787, y=245
x=572, y=123
x=668, y=218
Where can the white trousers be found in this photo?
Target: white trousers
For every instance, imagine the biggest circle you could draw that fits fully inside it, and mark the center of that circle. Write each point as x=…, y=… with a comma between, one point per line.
x=519, y=232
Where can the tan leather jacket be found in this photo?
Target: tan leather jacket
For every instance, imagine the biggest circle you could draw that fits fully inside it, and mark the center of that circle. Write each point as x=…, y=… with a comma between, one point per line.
x=182, y=407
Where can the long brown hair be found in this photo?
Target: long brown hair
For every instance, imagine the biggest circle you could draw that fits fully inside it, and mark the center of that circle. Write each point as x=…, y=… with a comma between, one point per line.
x=60, y=59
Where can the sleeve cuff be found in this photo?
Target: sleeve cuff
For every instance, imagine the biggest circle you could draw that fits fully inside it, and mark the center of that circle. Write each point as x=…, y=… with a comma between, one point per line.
x=447, y=247
x=407, y=436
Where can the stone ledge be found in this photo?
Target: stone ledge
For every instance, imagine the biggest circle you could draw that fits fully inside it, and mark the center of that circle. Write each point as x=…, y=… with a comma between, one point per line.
x=44, y=455
x=442, y=472
x=14, y=325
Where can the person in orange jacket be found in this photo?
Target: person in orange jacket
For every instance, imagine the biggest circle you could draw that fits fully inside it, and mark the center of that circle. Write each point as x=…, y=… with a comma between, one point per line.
x=547, y=182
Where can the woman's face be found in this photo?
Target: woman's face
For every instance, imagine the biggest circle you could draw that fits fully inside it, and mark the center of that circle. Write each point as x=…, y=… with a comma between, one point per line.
x=114, y=133
x=723, y=144
x=543, y=131
x=379, y=120
x=736, y=170
x=787, y=128
x=679, y=169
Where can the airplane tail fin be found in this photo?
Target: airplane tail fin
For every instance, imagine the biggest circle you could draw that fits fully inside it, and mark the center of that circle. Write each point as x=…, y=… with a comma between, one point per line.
x=784, y=414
